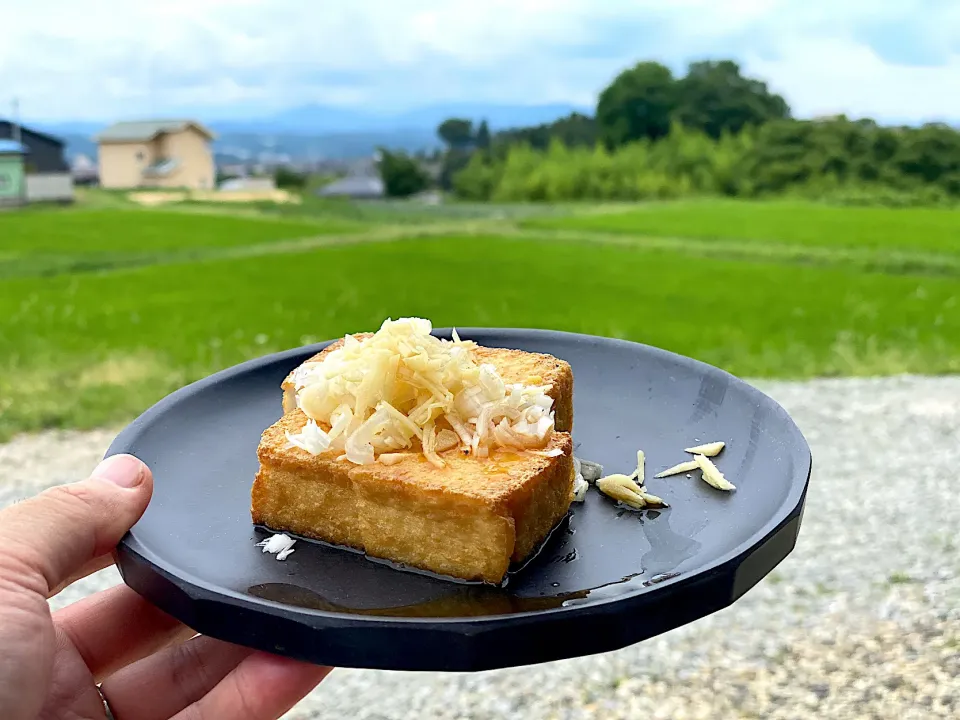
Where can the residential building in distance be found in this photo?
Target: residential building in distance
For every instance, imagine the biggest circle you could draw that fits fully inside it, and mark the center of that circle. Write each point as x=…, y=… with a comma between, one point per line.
x=361, y=182
x=12, y=176
x=44, y=153
x=84, y=171
x=156, y=153
x=248, y=184
x=45, y=175
x=355, y=187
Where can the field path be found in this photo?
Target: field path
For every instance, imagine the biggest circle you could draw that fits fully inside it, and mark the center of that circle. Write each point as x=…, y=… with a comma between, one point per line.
x=862, y=621
x=309, y=233
x=52, y=264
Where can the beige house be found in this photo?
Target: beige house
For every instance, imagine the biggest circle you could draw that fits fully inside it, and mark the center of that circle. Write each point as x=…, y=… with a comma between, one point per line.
x=156, y=153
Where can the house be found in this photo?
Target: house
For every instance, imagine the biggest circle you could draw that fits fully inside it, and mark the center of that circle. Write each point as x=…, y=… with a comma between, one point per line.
x=44, y=153
x=45, y=173
x=232, y=170
x=156, y=153
x=356, y=187
x=12, y=175
x=248, y=184
x=84, y=171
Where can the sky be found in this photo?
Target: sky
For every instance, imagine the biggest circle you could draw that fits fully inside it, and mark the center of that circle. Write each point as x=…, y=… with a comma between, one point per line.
x=99, y=60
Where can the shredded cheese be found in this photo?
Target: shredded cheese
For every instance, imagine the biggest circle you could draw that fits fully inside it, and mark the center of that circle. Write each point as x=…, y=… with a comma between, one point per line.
x=623, y=489
x=677, y=469
x=652, y=500
x=591, y=471
x=712, y=475
x=280, y=545
x=707, y=450
x=405, y=390
x=639, y=472
x=580, y=485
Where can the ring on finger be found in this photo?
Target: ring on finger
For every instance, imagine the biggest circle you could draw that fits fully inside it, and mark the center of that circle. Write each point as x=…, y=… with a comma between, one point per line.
x=106, y=705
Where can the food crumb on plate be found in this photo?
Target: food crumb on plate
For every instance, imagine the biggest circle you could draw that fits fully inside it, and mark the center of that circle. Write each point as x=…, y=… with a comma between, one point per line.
x=280, y=545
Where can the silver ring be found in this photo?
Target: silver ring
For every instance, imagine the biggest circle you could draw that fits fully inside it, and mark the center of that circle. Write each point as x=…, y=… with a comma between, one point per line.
x=106, y=705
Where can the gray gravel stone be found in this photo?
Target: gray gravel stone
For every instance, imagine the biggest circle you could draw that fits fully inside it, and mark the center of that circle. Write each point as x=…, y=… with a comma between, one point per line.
x=861, y=621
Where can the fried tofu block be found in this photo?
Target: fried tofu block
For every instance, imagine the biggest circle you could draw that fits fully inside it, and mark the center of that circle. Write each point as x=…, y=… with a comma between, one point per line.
x=514, y=366
x=469, y=520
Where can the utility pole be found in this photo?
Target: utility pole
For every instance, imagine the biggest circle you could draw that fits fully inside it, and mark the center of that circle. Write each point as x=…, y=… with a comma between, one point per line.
x=15, y=121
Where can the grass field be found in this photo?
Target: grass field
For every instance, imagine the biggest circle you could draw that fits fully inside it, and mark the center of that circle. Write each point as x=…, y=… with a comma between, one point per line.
x=84, y=347
x=69, y=232
x=794, y=223
x=55, y=241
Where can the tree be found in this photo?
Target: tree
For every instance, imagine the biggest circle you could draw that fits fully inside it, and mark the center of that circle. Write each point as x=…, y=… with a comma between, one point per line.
x=835, y=159
x=483, y=136
x=715, y=98
x=289, y=179
x=929, y=153
x=479, y=178
x=454, y=161
x=638, y=104
x=574, y=130
x=457, y=133
x=402, y=176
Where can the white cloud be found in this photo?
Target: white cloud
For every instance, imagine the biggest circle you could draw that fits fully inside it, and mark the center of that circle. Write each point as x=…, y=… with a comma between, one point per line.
x=104, y=59
x=826, y=77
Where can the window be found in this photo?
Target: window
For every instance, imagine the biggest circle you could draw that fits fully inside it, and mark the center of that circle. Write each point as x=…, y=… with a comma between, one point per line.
x=139, y=156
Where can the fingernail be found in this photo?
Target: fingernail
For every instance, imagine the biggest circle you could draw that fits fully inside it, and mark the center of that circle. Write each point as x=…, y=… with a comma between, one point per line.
x=123, y=470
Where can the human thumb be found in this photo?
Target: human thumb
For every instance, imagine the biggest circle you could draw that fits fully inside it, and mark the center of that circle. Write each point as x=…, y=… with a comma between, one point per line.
x=51, y=537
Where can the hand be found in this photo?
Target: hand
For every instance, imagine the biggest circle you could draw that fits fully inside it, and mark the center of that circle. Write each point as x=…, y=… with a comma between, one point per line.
x=149, y=666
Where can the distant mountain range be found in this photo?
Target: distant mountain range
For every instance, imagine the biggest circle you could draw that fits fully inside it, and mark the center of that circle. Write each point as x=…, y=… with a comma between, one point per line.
x=313, y=132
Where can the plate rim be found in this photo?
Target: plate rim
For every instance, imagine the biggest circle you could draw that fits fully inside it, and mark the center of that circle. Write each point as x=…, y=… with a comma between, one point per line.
x=793, y=502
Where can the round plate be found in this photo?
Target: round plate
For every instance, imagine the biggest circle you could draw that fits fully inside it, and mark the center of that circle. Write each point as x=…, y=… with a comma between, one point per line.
x=607, y=578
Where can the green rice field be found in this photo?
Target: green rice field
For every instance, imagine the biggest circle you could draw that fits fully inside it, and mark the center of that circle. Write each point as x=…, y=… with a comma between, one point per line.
x=782, y=222
x=760, y=289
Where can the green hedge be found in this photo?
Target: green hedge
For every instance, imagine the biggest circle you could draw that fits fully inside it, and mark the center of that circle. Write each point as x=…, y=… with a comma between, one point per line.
x=854, y=162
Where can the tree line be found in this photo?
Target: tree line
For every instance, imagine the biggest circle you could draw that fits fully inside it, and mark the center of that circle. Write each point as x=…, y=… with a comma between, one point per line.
x=711, y=131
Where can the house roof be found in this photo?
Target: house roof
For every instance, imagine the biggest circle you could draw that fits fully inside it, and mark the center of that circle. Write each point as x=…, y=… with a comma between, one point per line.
x=7, y=126
x=143, y=130
x=12, y=147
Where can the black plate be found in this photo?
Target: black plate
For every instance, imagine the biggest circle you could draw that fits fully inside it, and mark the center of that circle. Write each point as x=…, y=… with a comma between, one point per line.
x=607, y=579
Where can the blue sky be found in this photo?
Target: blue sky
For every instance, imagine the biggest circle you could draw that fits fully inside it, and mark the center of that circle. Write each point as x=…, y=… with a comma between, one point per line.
x=107, y=59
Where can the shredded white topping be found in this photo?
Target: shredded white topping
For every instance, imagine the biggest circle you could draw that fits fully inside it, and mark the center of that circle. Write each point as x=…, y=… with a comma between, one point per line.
x=280, y=545
x=622, y=488
x=678, y=468
x=404, y=389
x=707, y=449
x=712, y=475
x=580, y=486
x=591, y=471
x=639, y=472
x=311, y=438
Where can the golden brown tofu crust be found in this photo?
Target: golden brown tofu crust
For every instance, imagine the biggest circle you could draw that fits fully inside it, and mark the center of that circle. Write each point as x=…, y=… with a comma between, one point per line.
x=470, y=519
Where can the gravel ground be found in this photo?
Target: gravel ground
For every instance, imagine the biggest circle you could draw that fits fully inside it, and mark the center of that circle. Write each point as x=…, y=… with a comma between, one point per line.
x=861, y=621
